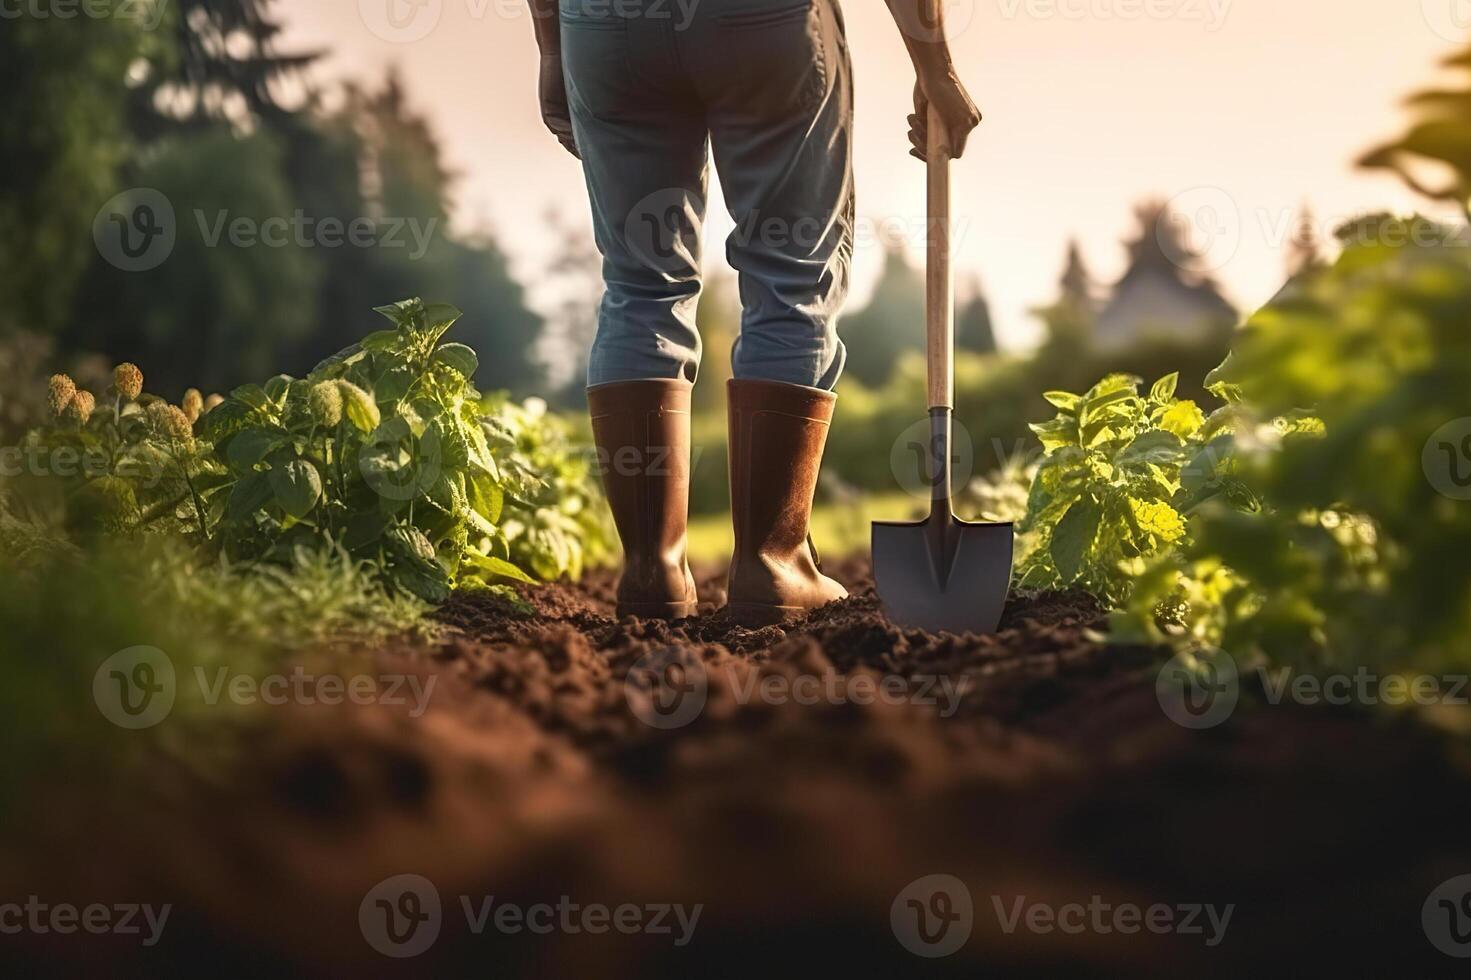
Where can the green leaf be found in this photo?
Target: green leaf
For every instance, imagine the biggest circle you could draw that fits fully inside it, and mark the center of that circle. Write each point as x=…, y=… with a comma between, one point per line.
x=1073, y=537
x=276, y=388
x=359, y=406
x=250, y=446
x=381, y=341
x=486, y=495
x=439, y=317
x=1184, y=419
x=458, y=357
x=1164, y=389
x=496, y=568
x=297, y=486
x=1064, y=400
x=253, y=396
x=249, y=495
x=1155, y=446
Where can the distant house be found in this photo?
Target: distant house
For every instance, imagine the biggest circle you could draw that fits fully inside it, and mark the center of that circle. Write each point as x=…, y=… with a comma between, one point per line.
x=1163, y=293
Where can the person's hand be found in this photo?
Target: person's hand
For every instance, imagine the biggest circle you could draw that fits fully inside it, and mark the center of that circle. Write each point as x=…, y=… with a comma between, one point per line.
x=956, y=109
x=552, y=89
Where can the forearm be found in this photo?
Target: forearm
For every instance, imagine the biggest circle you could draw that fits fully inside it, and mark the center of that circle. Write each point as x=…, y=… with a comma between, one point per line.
x=922, y=24
x=545, y=20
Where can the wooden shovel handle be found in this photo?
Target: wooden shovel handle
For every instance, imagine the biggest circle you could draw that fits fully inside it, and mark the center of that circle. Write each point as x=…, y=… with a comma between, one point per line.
x=939, y=275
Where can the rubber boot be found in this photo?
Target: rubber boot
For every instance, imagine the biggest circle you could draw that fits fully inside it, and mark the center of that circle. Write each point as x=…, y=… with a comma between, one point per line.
x=642, y=431
x=777, y=434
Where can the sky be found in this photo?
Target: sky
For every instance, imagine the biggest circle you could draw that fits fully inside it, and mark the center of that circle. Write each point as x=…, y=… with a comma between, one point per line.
x=1239, y=111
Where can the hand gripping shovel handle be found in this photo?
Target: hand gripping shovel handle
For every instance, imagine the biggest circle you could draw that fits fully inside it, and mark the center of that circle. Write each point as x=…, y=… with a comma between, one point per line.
x=939, y=314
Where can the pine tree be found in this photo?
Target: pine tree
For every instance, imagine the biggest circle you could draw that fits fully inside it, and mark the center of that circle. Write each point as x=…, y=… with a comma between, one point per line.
x=974, y=331
x=892, y=322
x=223, y=66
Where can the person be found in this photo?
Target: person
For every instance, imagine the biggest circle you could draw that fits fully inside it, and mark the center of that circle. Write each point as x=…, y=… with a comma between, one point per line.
x=638, y=90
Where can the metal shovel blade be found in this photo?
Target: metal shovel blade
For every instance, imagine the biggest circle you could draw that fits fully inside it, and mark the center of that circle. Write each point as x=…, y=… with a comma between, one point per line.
x=943, y=574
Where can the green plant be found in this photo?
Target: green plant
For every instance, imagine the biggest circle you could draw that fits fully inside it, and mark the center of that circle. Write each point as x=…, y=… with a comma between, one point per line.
x=1120, y=475
x=1360, y=559
x=383, y=451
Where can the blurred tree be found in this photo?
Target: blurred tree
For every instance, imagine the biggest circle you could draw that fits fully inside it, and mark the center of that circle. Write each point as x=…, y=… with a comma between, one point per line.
x=1304, y=249
x=892, y=322
x=973, y=329
x=62, y=135
x=719, y=321
x=221, y=65
x=1440, y=135
x=215, y=313
x=1069, y=319
x=575, y=277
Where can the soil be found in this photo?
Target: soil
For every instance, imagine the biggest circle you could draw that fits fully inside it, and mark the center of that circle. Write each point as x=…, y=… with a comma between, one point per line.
x=792, y=783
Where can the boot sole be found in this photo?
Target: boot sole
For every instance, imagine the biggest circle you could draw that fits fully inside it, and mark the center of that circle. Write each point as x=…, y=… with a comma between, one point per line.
x=657, y=610
x=757, y=614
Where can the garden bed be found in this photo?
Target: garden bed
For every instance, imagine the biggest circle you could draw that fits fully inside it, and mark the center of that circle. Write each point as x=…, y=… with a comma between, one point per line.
x=1035, y=767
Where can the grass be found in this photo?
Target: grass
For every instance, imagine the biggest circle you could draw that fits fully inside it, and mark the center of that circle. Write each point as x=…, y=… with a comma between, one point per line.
x=838, y=529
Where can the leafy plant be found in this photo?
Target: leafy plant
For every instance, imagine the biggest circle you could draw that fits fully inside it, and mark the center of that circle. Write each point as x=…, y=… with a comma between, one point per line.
x=1441, y=135
x=383, y=451
x=1120, y=475
x=1360, y=559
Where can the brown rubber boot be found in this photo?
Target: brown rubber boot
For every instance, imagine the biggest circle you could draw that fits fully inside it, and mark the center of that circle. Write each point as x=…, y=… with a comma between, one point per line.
x=642, y=430
x=777, y=434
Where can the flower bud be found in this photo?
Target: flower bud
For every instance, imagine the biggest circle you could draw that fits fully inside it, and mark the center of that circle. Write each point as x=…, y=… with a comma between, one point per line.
x=169, y=422
x=79, y=409
x=326, y=403
x=128, y=379
x=59, y=393
x=213, y=402
x=193, y=404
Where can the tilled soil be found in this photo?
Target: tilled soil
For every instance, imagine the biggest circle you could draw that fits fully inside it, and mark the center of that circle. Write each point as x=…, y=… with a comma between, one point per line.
x=800, y=786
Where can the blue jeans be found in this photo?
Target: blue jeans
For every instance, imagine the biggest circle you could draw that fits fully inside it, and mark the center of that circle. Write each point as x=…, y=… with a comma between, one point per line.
x=767, y=86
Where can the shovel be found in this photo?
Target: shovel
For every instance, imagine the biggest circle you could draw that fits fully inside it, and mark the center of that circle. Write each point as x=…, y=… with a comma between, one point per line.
x=942, y=574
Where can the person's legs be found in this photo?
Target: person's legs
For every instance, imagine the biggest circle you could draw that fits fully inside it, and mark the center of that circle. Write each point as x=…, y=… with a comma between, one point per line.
x=641, y=134
x=778, y=85
x=778, y=88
